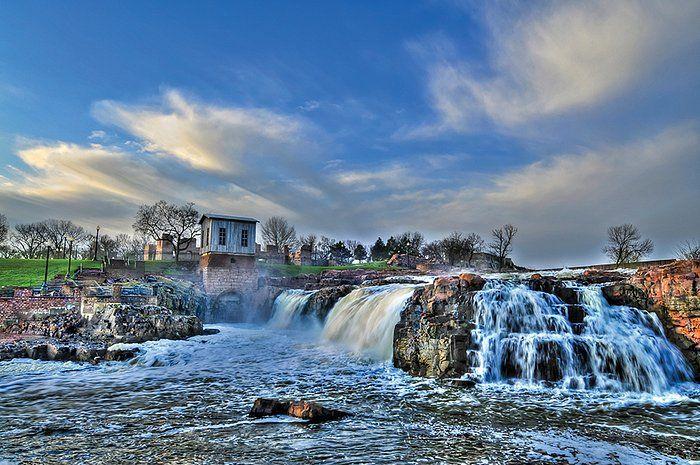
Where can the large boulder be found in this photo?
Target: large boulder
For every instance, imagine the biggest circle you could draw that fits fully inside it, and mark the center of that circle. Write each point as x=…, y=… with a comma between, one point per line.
x=126, y=323
x=433, y=337
x=306, y=410
x=181, y=297
x=322, y=301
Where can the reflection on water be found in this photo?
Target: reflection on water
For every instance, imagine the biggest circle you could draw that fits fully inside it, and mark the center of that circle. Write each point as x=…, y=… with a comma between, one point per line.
x=186, y=402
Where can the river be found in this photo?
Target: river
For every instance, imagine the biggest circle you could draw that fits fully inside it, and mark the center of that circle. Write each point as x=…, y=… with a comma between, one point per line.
x=186, y=402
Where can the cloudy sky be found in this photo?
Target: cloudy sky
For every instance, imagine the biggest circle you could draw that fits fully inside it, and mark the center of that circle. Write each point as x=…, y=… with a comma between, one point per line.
x=354, y=119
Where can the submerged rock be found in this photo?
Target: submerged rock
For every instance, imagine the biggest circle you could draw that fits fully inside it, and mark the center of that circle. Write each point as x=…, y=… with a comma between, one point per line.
x=303, y=409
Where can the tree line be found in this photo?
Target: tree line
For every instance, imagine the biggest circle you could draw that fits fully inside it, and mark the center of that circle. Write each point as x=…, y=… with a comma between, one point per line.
x=179, y=225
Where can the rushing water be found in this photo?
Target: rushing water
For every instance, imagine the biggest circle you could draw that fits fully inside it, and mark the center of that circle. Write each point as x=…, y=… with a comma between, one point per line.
x=185, y=402
x=528, y=335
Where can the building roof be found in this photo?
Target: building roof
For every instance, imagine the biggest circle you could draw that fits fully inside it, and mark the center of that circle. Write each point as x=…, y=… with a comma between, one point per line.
x=216, y=216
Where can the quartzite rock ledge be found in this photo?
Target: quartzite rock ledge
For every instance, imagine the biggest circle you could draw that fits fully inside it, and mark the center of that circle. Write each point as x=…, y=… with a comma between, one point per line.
x=434, y=335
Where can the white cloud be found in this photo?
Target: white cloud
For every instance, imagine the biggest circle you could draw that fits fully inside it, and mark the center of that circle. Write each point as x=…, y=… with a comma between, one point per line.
x=559, y=58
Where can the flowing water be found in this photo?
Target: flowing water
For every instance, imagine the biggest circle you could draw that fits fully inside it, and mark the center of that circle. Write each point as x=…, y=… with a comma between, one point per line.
x=528, y=335
x=185, y=402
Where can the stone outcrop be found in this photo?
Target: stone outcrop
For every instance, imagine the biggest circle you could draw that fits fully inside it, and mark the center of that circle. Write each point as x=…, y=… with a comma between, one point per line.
x=321, y=302
x=433, y=336
x=306, y=410
x=672, y=292
x=125, y=323
x=73, y=350
x=181, y=297
x=68, y=336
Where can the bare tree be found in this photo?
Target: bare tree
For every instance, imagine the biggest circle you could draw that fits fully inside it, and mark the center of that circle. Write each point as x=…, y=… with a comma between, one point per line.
x=107, y=246
x=454, y=248
x=433, y=251
x=689, y=250
x=474, y=243
x=625, y=244
x=59, y=232
x=309, y=241
x=278, y=232
x=4, y=228
x=501, y=244
x=29, y=239
x=178, y=225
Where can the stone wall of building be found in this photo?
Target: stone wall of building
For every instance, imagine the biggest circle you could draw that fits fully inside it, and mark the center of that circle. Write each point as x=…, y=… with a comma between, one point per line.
x=226, y=273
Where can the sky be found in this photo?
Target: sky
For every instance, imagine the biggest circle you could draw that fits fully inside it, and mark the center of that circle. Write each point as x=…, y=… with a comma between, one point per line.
x=358, y=119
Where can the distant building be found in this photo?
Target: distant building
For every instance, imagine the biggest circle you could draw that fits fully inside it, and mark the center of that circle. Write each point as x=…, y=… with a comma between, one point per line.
x=272, y=254
x=302, y=256
x=163, y=250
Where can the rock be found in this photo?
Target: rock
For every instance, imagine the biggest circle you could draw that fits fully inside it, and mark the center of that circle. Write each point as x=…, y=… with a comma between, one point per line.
x=433, y=336
x=461, y=382
x=672, y=292
x=595, y=276
x=321, y=302
x=120, y=355
x=303, y=409
x=126, y=323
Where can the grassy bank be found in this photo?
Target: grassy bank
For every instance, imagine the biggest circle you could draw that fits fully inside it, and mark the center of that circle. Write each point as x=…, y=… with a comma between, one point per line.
x=20, y=272
x=294, y=270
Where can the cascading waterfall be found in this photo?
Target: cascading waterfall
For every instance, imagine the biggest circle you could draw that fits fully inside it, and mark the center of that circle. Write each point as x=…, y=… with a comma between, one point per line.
x=528, y=335
x=364, y=320
x=288, y=308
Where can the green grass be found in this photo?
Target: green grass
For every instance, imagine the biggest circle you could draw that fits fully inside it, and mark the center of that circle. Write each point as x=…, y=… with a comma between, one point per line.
x=295, y=270
x=17, y=272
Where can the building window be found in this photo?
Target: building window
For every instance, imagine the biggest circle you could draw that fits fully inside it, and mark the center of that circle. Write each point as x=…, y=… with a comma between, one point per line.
x=206, y=237
x=222, y=236
x=244, y=238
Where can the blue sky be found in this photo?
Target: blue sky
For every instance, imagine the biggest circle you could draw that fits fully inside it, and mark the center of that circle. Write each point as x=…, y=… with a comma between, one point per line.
x=355, y=119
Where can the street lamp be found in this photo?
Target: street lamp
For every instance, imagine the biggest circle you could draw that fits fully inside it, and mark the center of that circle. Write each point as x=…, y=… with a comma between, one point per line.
x=70, y=254
x=46, y=267
x=97, y=235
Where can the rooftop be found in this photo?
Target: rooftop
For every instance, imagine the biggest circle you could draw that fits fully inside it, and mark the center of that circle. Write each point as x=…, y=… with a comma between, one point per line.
x=216, y=216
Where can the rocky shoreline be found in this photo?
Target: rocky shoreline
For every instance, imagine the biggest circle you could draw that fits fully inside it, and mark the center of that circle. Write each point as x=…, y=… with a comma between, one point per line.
x=69, y=336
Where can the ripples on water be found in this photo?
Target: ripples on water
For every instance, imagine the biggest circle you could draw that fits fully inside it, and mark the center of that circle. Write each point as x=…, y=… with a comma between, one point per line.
x=186, y=402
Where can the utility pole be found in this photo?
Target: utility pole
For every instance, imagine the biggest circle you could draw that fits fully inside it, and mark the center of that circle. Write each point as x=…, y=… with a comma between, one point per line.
x=70, y=255
x=46, y=268
x=97, y=236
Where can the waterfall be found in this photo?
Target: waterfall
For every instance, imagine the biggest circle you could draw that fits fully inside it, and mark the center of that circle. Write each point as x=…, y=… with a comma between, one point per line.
x=288, y=308
x=364, y=319
x=530, y=335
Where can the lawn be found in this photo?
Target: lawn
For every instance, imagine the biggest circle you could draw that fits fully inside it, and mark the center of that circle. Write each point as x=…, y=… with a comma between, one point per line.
x=20, y=272
x=295, y=270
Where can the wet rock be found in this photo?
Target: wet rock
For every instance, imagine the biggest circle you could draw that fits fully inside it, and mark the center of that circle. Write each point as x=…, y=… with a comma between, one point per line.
x=321, y=302
x=467, y=383
x=126, y=323
x=120, y=355
x=433, y=336
x=552, y=285
x=303, y=409
x=595, y=276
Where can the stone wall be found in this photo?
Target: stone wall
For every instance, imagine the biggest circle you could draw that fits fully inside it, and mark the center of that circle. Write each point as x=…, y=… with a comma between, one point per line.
x=225, y=273
x=25, y=305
